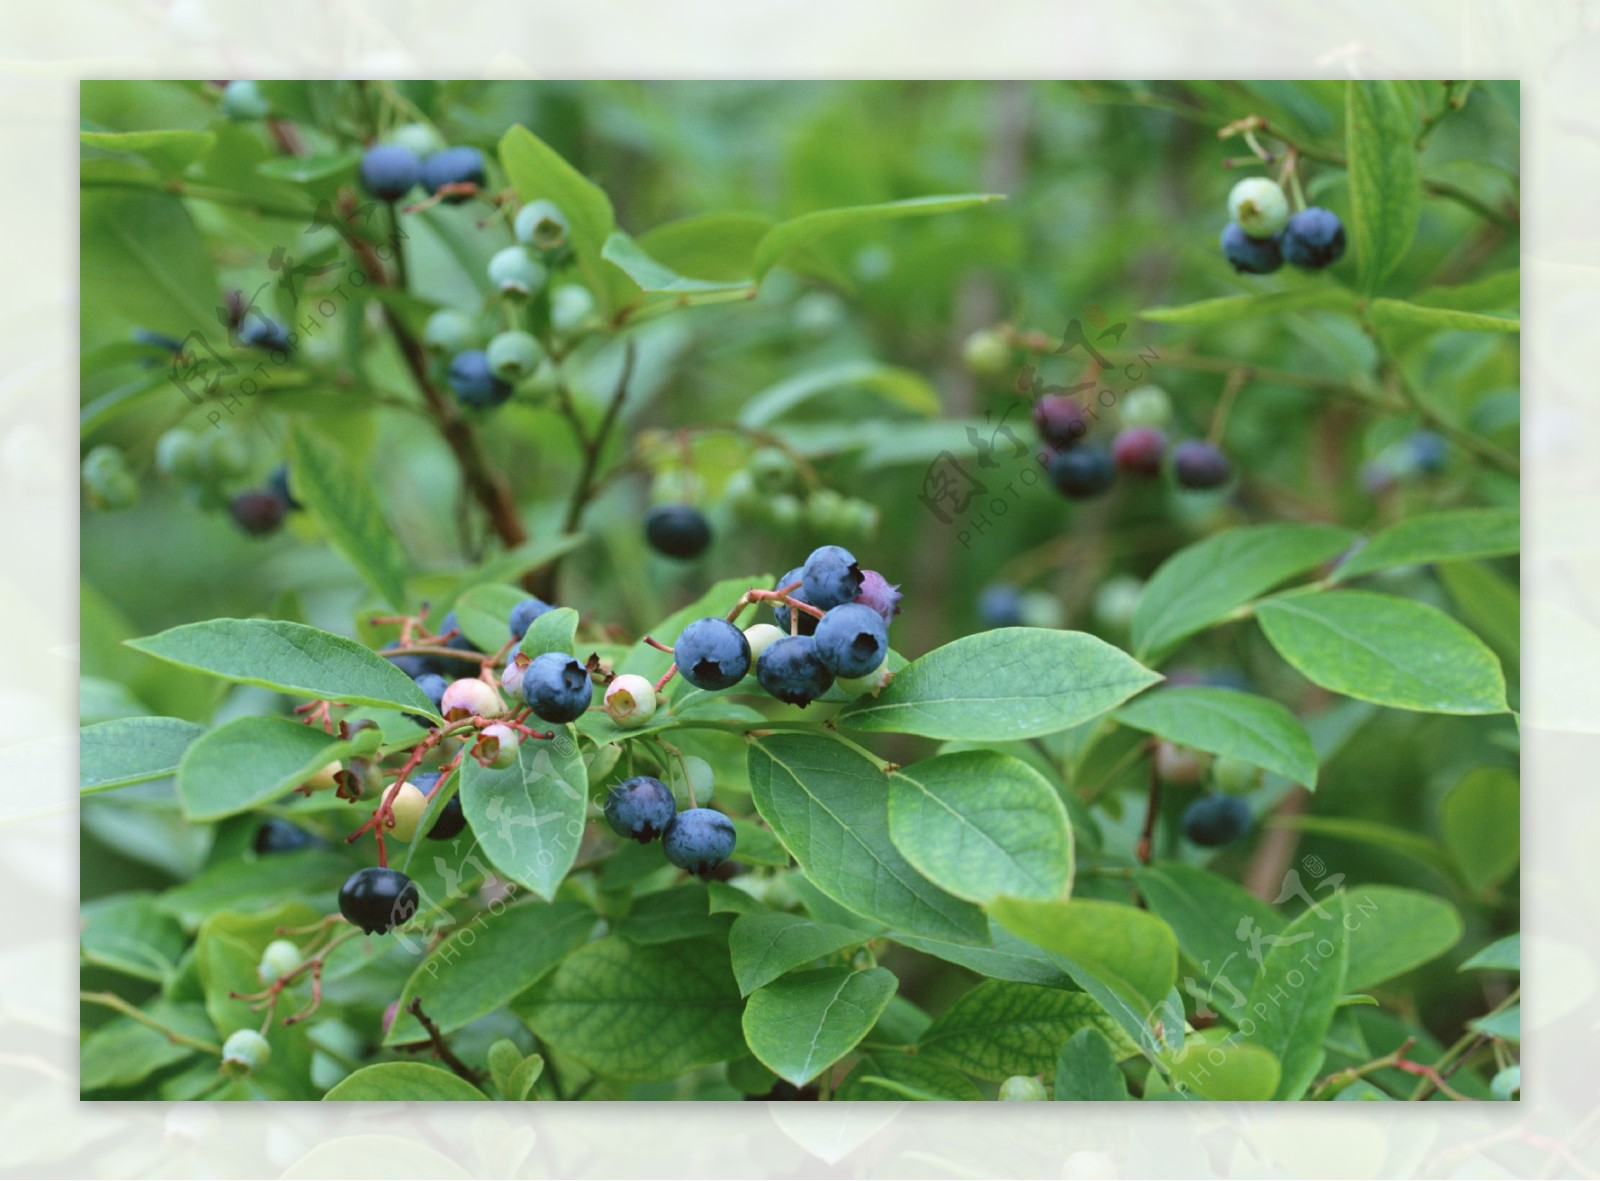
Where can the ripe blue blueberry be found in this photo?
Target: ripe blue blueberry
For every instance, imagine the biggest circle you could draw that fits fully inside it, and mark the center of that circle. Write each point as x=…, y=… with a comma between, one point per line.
x=1082, y=472
x=699, y=840
x=1197, y=464
x=1429, y=451
x=376, y=899
x=830, y=577
x=1060, y=420
x=712, y=654
x=556, y=685
x=278, y=485
x=878, y=593
x=279, y=836
x=1313, y=239
x=640, y=809
x=1251, y=256
x=258, y=512
x=433, y=686
x=263, y=332
x=474, y=382
x=781, y=612
x=791, y=671
x=677, y=530
x=389, y=171
x=1216, y=820
x=453, y=166
x=851, y=640
x=524, y=613
x=1000, y=605
x=1138, y=450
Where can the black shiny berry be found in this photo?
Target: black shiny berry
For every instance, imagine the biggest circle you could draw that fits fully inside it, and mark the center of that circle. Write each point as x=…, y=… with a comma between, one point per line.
x=279, y=836
x=677, y=531
x=378, y=899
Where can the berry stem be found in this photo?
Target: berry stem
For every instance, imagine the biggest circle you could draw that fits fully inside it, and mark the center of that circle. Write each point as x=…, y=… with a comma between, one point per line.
x=112, y=1001
x=667, y=676
x=1152, y=809
x=1230, y=392
x=441, y=1048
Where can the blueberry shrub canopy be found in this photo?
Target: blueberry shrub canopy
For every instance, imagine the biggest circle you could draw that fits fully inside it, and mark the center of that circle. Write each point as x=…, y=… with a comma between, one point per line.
x=833, y=591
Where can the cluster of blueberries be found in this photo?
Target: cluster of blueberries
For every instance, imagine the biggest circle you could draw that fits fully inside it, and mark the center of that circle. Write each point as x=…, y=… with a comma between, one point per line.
x=1222, y=815
x=210, y=462
x=1262, y=235
x=769, y=493
x=1080, y=470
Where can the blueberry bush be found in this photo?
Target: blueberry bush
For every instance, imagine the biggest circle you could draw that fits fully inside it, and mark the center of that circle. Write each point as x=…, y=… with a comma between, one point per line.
x=840, y=591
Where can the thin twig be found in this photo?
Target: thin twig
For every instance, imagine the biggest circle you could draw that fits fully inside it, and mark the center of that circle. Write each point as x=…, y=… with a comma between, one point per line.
x=441, y=1048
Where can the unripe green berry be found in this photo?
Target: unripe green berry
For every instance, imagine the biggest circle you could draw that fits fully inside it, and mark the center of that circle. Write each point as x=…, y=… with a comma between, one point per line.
x=243, y=102
x=630, y=700
x=570, y=305
x=223, y=456
x=244, y=1051
x=1179, y=766
x=1258, y=206
x=783, y=512
x=1041, y=609
x=417, y=138
x=741, y=493
x=449, y=331
x=406, y=811
x=279, y=958
x=986, y=353
x=1146, y=405
x=676, y=486
x=700, y=777
x=514, y=355
x=871, y=683
x=541, y=225
x=1235, y=776
x=1116, y=600
x=178, y=454
x=514, y=272
x=773, y=470
x=760, y=637
x=1022, y=1088
x=824, y=510
x=497, y=745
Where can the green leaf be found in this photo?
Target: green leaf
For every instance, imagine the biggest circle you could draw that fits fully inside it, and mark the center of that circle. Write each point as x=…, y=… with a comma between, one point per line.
x=1230, y=308
x=1086, y=1070
x=289, y=657
x=1227, y=722
x=1011, y=957
x=1372, y=832
x=514, y=563
x=656, y=277
x=529, y=817
x=403, y=1082
x=666, y=916
x=830, y=807
x=554, y=631
x=1503, y=955
x=169, y=151
x=123, y=1052
x=1218, y=1065
x=1295, y=996
x=484, y=615
x=341, y=496
x=1386, y=650
x=769, y=943
x=1013, y=682
x=1393, y=930
x=131, y=750
x=787, y=237
x=899, y=387
x=1505, y=1025
x=1385, y=187
x=999, y=1029
x=487, y=963
x=1205, y=912
x=1437, y=537
x=890, y=1077
x=710, y=245
x=1207, y=581
x=314, y=875
x=1126, y=959
x=1482, y=822
x=304, y=170
x=982, y=824
x=1397, y=311
x=639, y=1011
x=252, y=761
x=129, y=934
x=537, y=171
x=804, y=1022
x=520, y=1085
x=150, y=265
x=1489, y=603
